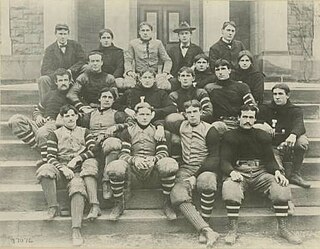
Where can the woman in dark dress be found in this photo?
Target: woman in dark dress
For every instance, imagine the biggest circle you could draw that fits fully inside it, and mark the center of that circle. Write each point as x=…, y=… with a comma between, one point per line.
x=247, y=73
x=113, y=60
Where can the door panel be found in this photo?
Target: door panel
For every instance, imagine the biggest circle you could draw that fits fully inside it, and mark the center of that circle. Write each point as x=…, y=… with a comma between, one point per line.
x=164, y=18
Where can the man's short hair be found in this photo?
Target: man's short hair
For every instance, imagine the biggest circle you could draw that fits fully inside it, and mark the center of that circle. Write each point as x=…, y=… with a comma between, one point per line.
x=193, y=103
x=200, y=56
x=150, y=70
x=94, y=52
x=249, y=107
x=61, y=72
x=187, y=70
x=143, y=105
x=222, y=63
x=232, y=23
x=64, y=109
x=145, y=23
x=282, y=86
x=108, y=89
x=102, y=31
x=61, y=26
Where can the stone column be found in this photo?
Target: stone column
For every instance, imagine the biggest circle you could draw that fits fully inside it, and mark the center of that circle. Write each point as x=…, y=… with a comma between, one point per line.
x=5, y=28
x=272, y=38
x=194, y=20
x=118, y=19
x=215, y=12
x=316, y=28
x=59, y=11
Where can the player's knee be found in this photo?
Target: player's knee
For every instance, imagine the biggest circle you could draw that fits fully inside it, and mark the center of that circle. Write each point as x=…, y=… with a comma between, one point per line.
x=111, y=144
x=220, y=126
x=48, y=171
x=231, y=192
x=116, y=169
x=167, y=167
x=279, y=194
x=89, y=167
x=207, y=182
x=180, y=194
x=77, y=185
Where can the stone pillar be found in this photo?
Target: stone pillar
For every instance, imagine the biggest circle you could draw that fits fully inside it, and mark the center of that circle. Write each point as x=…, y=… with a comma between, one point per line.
x=118, y=19
x=194, y=20
x=316, y=28
x=272, y=38
x=5, y=28
x=316, y=42
x=215, y=12
x=59, y=11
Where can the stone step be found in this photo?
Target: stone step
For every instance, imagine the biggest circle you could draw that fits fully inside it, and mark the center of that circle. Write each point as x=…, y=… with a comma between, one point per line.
x=300, y=92
x=28, y=93
x=23, y=172
x=19, y=93
x=8, y=110
x=17, y=150
x=27, y=197
x=312, y=127
x=153, y=222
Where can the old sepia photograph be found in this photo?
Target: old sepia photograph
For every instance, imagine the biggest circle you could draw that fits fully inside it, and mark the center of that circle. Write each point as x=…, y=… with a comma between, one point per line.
x=160, y=124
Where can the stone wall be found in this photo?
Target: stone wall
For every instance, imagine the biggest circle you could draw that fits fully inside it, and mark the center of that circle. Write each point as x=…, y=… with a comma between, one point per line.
x=300, y=27
x=26, y=27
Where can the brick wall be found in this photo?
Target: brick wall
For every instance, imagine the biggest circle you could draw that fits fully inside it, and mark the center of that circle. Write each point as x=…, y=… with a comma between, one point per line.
x=300, y=27
x=26, y=27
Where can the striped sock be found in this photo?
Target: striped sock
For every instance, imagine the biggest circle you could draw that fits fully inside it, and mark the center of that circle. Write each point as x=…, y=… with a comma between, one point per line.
x=167, y=184
x=43, y=152
x=233, y=210
x=193, y=216
x=206, y=202
x=117, y=187
x=281, y=209
x=28, y=138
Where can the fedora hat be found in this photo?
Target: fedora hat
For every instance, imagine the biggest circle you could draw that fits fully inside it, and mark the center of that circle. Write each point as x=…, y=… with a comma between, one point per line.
x=184, y=26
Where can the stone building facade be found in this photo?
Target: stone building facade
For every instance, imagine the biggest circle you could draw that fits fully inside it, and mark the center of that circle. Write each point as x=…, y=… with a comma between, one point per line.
x=283, y=34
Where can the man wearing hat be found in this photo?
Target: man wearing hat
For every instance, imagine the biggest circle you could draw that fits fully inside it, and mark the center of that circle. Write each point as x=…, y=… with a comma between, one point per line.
x=63, y=53
x=182, y=54
x=227, y=47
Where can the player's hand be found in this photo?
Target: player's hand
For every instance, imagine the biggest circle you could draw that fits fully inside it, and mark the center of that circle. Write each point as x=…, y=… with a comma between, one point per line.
x=72, y=164
x=192, y=181
x=281, y=179
x=291, y=140
x=68, y=173
x=130, y=112
x=140, y=163
x=132, y=74
x=86, y=109
x=236, y=176
x=100, y=138
x=159, y=134
x=110, y=131
x=40, y=121
x=265, y=127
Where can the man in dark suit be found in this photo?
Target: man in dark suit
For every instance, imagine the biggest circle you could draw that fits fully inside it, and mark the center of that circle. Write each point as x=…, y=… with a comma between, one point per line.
x=227, y=47
x=182, y=54
x=63, y=53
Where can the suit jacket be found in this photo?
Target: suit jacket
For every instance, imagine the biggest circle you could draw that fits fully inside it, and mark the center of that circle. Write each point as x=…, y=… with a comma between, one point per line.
x=54, y=58
x=178, y=61
x=220, y=50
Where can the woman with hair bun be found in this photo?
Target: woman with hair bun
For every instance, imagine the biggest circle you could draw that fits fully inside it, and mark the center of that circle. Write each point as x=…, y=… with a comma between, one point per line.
x=247, y=73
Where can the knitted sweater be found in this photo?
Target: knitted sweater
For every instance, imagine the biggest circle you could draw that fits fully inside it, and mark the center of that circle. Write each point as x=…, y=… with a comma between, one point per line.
x=228, y=96
x=200, y=145
x=87, y=87
x=242, y=144
x=288, y=118
x=65, y=144
x=182, y=95
x=51, y=104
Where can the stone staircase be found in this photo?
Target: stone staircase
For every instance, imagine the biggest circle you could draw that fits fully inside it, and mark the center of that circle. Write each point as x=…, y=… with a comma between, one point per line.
x=22, y=204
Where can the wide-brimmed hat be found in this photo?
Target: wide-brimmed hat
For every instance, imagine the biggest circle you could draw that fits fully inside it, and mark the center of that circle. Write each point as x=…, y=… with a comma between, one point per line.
x=184, y=26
